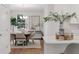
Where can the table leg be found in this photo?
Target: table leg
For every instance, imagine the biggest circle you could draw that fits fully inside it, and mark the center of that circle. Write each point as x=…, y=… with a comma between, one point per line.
x=27, y=39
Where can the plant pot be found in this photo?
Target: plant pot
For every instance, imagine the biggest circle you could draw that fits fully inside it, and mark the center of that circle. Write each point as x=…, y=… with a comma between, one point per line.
x=12, y=28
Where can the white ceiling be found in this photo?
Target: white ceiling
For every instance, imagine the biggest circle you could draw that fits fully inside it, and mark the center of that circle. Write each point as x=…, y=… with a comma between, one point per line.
x=27, y=7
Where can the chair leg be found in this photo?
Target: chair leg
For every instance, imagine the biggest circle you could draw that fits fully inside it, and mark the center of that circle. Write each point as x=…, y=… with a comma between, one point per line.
x=33, y=41
x=15, y=43
x=24, y=43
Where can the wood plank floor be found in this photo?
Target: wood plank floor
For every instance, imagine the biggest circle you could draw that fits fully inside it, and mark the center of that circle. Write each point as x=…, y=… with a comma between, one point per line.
x=29, y=50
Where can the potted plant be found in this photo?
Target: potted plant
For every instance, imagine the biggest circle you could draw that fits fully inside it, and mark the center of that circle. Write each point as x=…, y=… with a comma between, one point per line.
x=13, y=22
x=61, y=18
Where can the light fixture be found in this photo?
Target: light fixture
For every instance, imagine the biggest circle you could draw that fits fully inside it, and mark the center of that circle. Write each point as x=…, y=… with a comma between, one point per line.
x=25, y=17
x=21, y=17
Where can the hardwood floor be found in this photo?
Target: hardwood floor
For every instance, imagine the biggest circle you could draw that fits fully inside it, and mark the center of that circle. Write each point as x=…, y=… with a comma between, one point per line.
x=29, y=50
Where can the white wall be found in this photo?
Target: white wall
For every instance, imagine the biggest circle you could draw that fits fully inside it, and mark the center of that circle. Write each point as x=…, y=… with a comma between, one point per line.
x=51, y=28
x=4, y=30
x=67, y=8
x=47, y=9
x=26, y=13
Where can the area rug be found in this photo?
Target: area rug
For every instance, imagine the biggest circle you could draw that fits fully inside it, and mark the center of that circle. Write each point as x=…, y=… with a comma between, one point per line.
x=30, y=44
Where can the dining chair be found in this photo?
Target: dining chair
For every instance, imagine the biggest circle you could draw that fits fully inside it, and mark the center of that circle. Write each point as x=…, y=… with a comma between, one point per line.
x=36, y=35
x=20, y=39
x=72, y=49
x=31, y=35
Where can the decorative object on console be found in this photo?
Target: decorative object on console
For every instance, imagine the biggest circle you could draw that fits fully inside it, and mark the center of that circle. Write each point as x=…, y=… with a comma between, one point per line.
x=66, y=36
x=61, y=18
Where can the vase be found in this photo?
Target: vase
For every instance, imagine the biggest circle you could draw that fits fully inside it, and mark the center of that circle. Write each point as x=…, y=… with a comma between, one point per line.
x=12, y=28
x=61, y=29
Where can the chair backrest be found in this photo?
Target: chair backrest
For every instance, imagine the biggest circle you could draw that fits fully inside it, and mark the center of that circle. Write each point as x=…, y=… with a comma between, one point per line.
x=36, y=35
x=32, y=34
x=72, y=49
x=20, y=36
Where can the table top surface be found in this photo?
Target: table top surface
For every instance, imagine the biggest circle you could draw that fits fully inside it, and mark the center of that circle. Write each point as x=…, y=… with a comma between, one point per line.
x=52, y=40
x=20, y=33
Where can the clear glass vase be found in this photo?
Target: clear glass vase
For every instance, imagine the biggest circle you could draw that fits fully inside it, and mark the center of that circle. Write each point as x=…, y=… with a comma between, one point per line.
x=61, y=29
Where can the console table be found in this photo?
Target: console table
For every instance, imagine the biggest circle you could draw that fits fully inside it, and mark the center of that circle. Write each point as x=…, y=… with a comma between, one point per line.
x=54, y=46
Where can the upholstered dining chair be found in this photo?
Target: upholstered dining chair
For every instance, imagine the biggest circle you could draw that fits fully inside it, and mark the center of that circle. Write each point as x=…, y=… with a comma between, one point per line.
x=20, y=39
x=32, y=34
x=36, y=35
x=72, y=49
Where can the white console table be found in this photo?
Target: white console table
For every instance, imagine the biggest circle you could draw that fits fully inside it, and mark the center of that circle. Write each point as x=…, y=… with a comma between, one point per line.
x=54, y=46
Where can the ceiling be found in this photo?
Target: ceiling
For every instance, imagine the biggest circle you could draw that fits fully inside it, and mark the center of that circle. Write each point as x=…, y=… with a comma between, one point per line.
x=26, y=7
